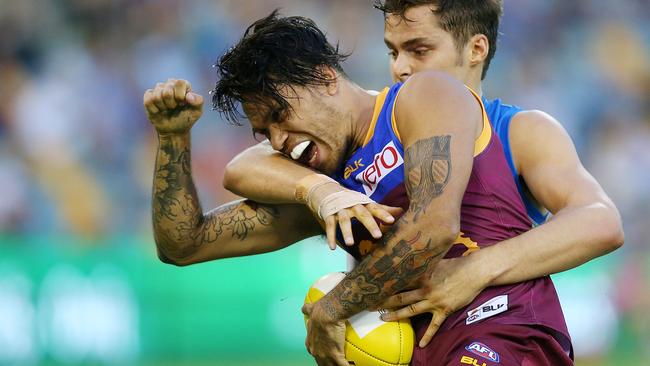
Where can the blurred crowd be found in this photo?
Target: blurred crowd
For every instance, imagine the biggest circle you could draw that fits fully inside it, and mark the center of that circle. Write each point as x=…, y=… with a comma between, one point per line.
x=77, y=153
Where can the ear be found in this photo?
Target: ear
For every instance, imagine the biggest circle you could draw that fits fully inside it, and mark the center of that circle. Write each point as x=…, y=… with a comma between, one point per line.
x=478, y=48
x=332, y=86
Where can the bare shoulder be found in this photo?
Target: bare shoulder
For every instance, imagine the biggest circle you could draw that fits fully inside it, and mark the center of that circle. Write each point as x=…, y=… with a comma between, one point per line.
x=432, y=87
x=534, y=121
x=536, y=136
x=431, y=102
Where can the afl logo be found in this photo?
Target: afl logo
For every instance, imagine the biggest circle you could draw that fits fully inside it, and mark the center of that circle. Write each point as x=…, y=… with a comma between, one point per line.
x=383, y=163
x=484, y=351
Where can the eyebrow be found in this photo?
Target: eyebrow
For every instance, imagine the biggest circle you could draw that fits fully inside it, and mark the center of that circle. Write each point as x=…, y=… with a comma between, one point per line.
x=261, y=131
x=411, y=42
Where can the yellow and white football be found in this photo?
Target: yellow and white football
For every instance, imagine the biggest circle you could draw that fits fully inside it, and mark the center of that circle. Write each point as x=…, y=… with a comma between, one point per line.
x=369, y=341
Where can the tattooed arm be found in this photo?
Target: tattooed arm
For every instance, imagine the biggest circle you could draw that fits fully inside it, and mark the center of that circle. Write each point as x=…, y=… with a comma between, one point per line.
x=438, y=120
x=184, y=235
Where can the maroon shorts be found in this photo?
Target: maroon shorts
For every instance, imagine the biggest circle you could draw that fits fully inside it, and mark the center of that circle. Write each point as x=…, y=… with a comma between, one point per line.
x=491, y=344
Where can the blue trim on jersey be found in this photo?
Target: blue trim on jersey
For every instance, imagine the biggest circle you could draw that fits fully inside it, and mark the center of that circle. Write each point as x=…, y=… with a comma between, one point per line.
x=500, y=116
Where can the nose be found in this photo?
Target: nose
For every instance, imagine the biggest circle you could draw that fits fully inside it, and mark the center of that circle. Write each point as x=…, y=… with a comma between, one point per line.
x=401, y=68
x=277, y=137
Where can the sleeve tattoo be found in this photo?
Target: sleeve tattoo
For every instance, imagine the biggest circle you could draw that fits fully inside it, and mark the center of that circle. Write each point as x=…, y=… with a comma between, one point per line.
x=177, y=216
x=406, y=252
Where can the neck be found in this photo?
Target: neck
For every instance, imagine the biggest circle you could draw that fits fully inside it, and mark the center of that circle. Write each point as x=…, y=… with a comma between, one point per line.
x=362, y=104
x=473, y=81
x=476, y=87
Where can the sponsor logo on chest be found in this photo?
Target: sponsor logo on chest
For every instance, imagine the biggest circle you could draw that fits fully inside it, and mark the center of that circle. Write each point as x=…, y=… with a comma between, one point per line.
x=384, y=162
x=494, y=306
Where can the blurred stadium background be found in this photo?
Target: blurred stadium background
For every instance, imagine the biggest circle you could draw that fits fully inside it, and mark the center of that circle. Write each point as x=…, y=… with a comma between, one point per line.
x=80, y=283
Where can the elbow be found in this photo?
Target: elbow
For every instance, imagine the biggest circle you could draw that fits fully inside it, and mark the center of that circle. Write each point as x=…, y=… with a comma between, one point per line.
x=611, y=232
x=233, y=177
x=165, y=256
x=174, y=261
x=167, y=260
x=615, y=236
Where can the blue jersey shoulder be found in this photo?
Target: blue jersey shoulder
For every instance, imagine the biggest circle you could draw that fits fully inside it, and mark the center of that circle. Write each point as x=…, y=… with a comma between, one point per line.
x=500, y=115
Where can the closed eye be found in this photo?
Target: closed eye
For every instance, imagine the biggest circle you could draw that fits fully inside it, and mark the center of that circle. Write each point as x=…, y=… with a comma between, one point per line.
x=260, y=134
x=421, y=51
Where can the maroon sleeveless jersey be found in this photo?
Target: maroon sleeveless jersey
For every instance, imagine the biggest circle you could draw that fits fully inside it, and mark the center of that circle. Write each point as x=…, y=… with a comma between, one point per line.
x=492, y=211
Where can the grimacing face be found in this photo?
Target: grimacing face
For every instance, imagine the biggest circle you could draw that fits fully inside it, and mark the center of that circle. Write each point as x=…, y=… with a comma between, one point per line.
x=312, y=132
x=419, y=44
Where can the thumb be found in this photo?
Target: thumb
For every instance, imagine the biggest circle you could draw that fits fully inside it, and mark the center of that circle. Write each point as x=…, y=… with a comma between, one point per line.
x=193, y=99
x=306, y=309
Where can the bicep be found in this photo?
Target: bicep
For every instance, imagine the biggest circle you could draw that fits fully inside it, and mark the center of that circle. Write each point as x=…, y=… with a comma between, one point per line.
x=246, y=227
x=549, y=163
x=438, y=133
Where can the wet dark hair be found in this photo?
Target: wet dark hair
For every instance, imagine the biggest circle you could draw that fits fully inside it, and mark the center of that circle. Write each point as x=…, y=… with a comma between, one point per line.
x=462, y=18
x=275, y=53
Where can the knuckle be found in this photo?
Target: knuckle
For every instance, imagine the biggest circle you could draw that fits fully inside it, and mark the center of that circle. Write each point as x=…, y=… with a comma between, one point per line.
x=362, y=211
x=446, y=310
x=424, y=291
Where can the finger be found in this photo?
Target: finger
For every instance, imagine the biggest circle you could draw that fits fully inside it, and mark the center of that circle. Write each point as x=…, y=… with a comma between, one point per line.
x=346, y=226
x=307, y=308
x=307, y=342
x=181, y=88
x=330, y=231
x=380, y=212
x=342, y=361
x=363, y=215
x=331, y=360
x=168, y=97
x=396, y=212
x=147, y=100
x=436, y=320
x=158, y=99
x=195, y=100
x=406, y=312
x=402, y=299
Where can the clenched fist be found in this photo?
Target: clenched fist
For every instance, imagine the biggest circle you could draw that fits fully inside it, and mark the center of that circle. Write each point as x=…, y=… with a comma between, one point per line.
x=172, y=107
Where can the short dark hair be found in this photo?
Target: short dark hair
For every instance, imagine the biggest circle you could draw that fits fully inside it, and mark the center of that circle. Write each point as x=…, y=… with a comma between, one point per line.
x=461, y=18
x=275, y=52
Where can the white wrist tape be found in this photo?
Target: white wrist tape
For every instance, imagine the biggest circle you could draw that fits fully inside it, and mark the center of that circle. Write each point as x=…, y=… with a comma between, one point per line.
x=307, y=186
x=325, y=196
x=337, y=201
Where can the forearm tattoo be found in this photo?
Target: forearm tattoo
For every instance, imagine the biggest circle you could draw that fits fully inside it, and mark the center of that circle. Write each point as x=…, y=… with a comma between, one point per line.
x=238, y=218
x=176, y=208
x=404, y=253
x=178, y=220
